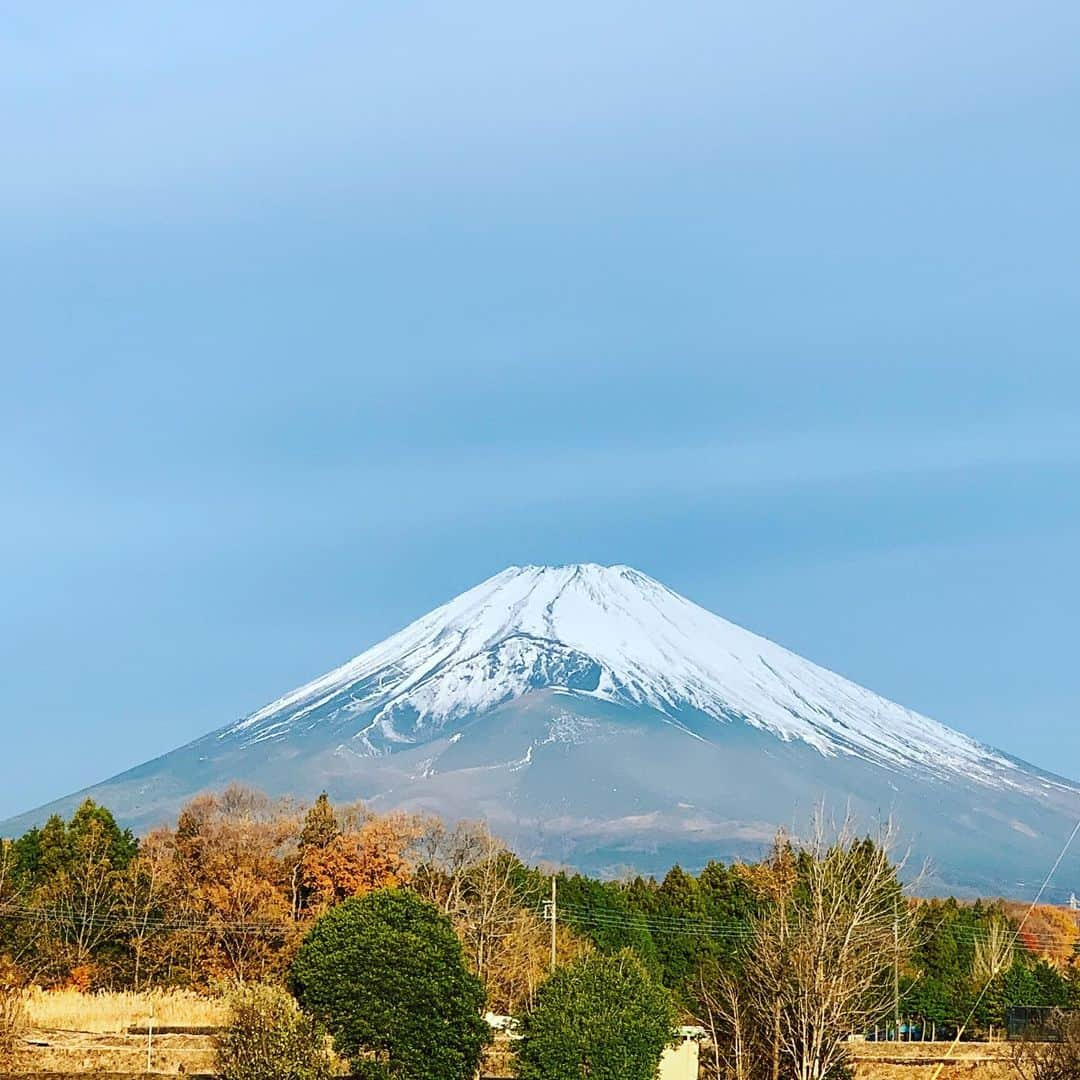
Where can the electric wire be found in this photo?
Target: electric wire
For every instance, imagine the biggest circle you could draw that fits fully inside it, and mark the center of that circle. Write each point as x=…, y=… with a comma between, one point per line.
x=982, y=993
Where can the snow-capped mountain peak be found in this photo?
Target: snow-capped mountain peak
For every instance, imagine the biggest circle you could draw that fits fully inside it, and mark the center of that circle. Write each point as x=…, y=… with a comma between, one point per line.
x=595, y=718
x=614, y=634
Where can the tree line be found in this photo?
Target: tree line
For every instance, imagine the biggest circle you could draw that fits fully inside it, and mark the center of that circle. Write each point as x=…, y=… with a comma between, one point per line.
x=779, y=960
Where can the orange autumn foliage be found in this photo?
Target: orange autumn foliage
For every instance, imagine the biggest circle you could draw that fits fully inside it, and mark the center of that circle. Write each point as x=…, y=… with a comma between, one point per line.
x=354, y=863
x=1049, y=932
x=82, y=978
x=228, y=894
x=232, y=880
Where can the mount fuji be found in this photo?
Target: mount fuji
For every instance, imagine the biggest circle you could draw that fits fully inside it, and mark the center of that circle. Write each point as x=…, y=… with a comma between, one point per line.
x=596, y=718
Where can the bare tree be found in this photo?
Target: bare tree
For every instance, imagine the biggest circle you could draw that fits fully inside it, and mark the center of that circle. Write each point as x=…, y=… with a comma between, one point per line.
x=725, y=1017
x=993, y=953
x=12, y=1008
x=473, y=878
x=1050, y=1052
x=443, y=858
x=21, y=926
x=146, y=892
x=489, y=913
x=12, y=1021
x=520, y=961
x=469, y=875
x=10, y=894
x=820, y=961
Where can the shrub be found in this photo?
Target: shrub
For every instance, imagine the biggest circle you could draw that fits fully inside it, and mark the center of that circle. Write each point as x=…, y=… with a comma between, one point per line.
x=1050, y=1050
x=601, y=1017
x=269, y=1038
x=12, y=1023
x=385, y=974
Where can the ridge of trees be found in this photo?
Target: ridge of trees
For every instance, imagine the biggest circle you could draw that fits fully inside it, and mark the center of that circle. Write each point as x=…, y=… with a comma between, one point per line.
x=231, y=890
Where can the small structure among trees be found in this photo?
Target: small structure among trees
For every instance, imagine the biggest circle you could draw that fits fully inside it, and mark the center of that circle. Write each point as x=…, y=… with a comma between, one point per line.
x=1048, y=1050
x=780, y=960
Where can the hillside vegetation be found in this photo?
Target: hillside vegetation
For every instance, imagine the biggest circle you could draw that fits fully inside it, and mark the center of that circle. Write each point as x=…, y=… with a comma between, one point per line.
x=159, y=926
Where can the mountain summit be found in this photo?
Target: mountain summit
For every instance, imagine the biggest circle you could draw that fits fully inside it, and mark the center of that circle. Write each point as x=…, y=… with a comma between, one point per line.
x=596, y=717
x=611, y=634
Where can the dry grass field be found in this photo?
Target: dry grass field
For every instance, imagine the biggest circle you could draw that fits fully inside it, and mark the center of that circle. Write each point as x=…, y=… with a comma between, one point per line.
x=106, y=1013
x=79, y=1034
x=921, y=1061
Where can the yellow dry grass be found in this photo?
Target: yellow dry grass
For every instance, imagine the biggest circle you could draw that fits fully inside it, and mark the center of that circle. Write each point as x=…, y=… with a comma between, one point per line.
x=114, y=1013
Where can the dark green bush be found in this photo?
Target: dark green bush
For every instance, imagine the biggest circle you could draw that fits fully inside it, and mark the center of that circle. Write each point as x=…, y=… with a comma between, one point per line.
x=385, y=974
x=602, y=1017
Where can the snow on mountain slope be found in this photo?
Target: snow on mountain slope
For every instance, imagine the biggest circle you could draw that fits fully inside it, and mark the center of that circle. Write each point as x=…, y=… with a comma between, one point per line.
x=616, y=635
x=595, y=718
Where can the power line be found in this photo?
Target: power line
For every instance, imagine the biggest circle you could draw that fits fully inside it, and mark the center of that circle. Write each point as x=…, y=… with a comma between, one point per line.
x=1019, y=929
x=596, y=918
x=705, y=927
x=209, y=924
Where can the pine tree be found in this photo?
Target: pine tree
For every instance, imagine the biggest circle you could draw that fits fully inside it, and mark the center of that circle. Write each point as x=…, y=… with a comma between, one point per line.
x=320, y=825
x=683, y=944
x=600, y=911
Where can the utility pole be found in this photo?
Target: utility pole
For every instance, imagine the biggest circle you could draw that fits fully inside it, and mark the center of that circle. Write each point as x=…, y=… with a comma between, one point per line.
x=896, y=967
x=553, y=919
x=150, y=1041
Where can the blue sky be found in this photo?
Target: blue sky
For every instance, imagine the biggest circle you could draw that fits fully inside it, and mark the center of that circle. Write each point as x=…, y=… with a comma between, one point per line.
x=314, y=315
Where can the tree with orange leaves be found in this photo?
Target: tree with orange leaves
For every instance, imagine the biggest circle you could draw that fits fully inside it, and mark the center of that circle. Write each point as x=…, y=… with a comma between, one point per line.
x=338, y=863
x=233, y=858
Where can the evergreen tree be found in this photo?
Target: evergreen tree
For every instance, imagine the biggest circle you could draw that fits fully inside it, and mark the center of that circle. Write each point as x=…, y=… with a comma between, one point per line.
x=386, y=976
x=26, y=853
x=600, y=911
x=320, y=824
x=53, y=849
x=90, y=819
x=602, y=1018
x=641, y=894
x=683, y=940
x=728, y=902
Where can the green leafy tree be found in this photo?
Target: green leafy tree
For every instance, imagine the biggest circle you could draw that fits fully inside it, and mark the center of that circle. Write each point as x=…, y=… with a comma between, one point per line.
x=26, y=854
x=970, y=955
x=267, y=1037
x=729, y=903
x=73, y=871
x=386, y=975
x=601, y=1017
x=51, y=850
x=92, y=820
x=683, y=942
x=1029, y=984
x=641, y=894
x=1052, y=986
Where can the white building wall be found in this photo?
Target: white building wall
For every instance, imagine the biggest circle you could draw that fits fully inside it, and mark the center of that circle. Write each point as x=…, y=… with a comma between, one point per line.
x=680, y=1062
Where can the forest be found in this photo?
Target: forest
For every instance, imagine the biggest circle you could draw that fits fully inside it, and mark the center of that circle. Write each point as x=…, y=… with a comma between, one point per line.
x=227, y=894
